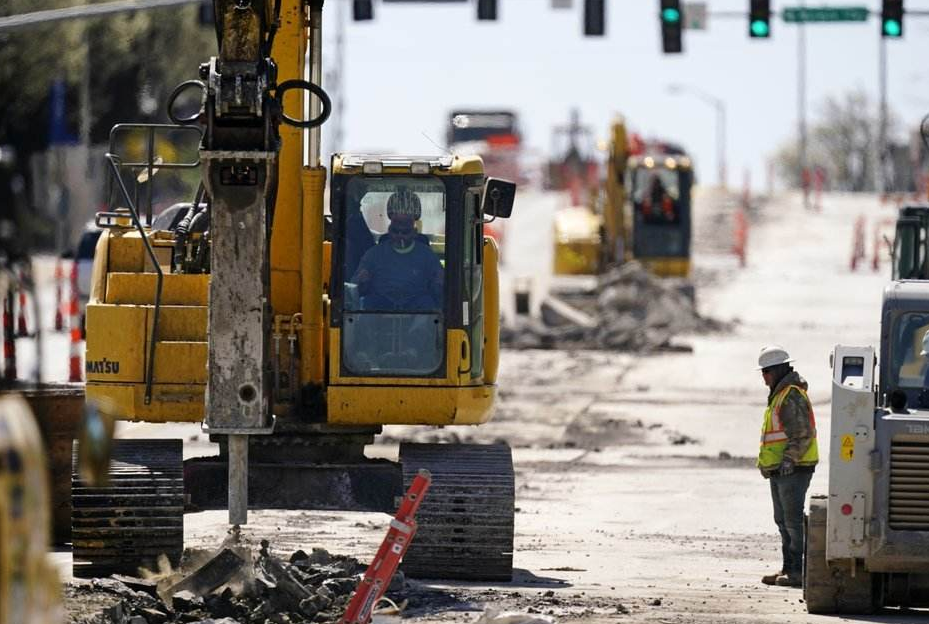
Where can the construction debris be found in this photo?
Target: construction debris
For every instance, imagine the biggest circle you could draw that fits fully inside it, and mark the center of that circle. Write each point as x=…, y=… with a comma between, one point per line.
x=236, y=586
x=630, y=310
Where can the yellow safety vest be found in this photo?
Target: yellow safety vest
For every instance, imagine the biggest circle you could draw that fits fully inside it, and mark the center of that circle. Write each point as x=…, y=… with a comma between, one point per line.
x=774, y=438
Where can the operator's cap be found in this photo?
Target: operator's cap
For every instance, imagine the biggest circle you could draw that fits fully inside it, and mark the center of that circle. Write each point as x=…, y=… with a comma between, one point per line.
x=404, y=202
x=772, y=355
x=925, y=350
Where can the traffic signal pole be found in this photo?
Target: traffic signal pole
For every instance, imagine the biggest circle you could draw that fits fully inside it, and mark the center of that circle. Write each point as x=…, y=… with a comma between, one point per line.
x=880, y=173
x=801, y=113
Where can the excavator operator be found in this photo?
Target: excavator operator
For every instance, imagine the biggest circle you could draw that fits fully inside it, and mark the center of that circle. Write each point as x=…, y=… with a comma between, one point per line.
x=400, y=272
x=657, y=198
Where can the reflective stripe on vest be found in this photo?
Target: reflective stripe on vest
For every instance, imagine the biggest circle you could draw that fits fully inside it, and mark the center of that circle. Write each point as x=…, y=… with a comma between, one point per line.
x=774, y=438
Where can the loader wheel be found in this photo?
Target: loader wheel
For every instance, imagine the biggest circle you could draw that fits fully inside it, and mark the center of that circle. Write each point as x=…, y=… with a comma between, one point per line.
x=126, y=525
x=831, y=588
x=465, y=522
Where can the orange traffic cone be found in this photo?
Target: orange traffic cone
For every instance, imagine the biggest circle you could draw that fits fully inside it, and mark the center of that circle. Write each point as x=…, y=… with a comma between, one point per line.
x=740, y=236
x=59, y=304
x=74, y=366
x=22, y=330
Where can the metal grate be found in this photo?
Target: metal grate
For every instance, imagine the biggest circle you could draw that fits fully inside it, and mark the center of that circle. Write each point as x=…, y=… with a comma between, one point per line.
x=909, y=485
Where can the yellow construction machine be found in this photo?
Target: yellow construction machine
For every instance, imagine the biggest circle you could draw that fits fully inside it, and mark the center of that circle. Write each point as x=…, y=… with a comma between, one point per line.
x=641, y=211
x=659, y=187
x=292, y=332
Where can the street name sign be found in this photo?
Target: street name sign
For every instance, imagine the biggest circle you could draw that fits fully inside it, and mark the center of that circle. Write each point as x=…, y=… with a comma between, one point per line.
x=695, y=15
x=798, y=15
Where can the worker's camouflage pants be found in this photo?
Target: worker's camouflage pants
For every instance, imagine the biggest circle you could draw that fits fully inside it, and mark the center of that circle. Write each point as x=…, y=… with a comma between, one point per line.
x=788, y=494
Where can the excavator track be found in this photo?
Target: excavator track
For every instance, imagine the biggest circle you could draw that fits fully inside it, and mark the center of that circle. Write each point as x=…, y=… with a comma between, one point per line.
x=140, y=515
x=466, y=519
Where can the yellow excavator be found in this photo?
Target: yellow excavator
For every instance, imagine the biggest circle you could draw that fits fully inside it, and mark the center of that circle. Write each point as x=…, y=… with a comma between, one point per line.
x=641, y=211
x=294, y=333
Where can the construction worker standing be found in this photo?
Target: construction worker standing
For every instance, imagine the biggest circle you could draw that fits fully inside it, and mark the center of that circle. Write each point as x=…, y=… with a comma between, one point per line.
x=787, y=457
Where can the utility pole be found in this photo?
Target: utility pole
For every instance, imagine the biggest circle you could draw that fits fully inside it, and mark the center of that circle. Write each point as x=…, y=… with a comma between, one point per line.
x=720, y=107
x=880, y=173
x=801, y=112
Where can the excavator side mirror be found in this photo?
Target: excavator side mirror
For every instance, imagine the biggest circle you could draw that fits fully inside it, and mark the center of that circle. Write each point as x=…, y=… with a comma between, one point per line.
x=498, y=198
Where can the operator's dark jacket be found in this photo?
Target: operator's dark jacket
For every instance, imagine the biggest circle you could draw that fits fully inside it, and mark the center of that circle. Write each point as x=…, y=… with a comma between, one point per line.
x=795, y=416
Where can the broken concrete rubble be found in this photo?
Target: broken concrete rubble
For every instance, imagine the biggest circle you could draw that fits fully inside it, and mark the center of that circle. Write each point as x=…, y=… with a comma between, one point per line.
x=236, y=587
x=630, y=310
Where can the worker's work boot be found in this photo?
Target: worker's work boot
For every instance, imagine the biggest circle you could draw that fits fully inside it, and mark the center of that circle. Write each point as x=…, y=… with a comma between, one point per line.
x=789, y=580
x=771, y=579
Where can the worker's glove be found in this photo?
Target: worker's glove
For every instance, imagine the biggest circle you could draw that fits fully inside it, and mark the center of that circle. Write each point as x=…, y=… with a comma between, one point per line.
x=786, y=468
x=764, y=473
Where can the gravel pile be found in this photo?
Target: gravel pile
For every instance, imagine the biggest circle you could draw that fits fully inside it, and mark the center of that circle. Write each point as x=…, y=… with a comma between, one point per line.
x=631, y=310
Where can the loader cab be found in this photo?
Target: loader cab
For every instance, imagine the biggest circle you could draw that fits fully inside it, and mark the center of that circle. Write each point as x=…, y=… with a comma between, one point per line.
x=904, y=372
x=659, y=187
x=408, y=270
x=911, y=244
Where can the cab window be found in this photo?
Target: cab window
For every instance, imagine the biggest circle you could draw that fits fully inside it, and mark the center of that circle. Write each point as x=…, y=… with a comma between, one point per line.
x=656, y=194
x=394, y=276
x=910, y=369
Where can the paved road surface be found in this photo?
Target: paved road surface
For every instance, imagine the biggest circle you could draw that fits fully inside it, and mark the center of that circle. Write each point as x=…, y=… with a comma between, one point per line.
x=637, y=497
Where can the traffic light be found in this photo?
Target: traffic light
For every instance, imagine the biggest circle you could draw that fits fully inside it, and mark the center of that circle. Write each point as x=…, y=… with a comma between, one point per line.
x=892, y=19
x=671, y=26
x=362, y=10
x=594, y=18
x=759, y=19
x=487, y=10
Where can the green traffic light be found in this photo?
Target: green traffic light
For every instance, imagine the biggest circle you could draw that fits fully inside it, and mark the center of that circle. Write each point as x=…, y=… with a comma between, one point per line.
x=671, y=15
x=760, y=28
x=892, y=28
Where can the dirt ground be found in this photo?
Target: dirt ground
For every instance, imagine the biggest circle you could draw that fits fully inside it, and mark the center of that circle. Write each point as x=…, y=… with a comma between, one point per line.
x=637, y=496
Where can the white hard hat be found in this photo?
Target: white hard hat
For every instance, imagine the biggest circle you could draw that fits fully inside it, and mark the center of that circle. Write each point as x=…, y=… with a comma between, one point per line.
x=772, y=355
x=925, y=350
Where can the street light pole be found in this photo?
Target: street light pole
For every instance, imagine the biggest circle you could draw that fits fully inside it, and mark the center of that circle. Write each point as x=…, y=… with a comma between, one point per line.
x=801, y=113
x=720, y=107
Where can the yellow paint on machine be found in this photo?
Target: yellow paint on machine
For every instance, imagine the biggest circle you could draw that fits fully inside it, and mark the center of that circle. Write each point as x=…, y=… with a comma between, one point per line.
x=170, y=402
x=127, y=252
x=120, y=347
x=491, y=311
x=140, y=289
x=577, y=258
x=457, y=358
x=180, y=323
x=411, y=405
x=667, y=267
x=578, y=244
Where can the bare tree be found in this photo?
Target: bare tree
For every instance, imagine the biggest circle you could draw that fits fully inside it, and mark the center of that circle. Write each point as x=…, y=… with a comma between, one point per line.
x=843, y=142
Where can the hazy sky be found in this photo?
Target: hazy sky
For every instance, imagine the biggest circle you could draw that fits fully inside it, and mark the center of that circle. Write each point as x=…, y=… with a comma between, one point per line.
x=415, y=62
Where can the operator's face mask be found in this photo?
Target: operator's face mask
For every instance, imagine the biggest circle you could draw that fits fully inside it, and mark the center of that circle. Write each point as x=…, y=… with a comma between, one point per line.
x=401, y=234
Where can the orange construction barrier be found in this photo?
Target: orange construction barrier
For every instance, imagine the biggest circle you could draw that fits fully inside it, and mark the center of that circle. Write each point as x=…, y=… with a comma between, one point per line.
x=74, y=365
x=377, y=577
x=22, y=329
x=740, y=236
x=858, y=246
x=59, y=304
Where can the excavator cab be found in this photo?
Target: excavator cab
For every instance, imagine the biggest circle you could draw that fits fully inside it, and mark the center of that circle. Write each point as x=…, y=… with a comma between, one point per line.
x=413, y=290
x=911, y=244
x=661, y=222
